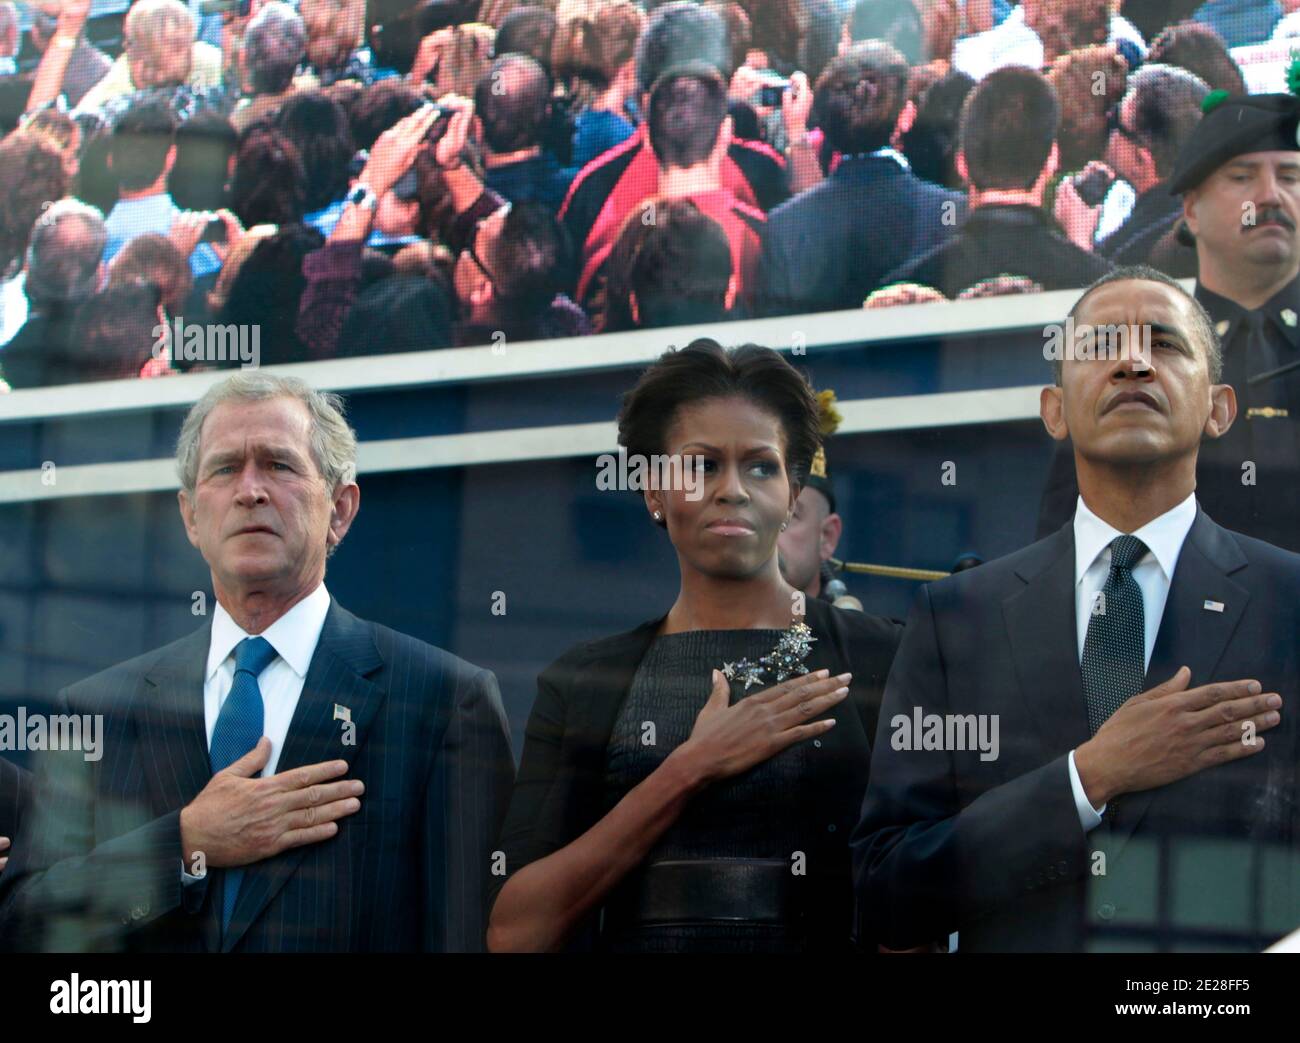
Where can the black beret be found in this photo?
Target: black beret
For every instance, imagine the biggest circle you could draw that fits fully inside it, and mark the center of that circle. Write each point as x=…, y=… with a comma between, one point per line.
x=1234, y=125
x=822, y=483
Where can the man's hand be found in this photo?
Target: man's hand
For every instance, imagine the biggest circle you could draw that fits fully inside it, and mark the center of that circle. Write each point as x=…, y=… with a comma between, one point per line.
x=72, y=17
x=745, y=83
x=187, y=229
x=4, y=846
x=396, y=149
x=1171, y=732
x=796, y=104
x=1074, y=215
x=447, y=153
x=429, y=55
x=234, y=233
x=238, y=820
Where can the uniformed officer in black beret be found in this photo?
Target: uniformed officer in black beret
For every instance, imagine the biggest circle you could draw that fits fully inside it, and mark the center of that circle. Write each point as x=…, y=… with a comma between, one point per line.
x=813, y=532
x=1239, y=176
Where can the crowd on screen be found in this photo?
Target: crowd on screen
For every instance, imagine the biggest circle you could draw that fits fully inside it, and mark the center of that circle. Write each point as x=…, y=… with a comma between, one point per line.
x=354, y=178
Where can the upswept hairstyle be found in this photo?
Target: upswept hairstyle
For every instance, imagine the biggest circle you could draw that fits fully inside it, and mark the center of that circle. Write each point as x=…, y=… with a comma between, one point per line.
x=704, y=370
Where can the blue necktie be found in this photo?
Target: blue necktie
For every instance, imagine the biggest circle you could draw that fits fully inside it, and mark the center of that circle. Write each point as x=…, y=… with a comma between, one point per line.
x=239, y=726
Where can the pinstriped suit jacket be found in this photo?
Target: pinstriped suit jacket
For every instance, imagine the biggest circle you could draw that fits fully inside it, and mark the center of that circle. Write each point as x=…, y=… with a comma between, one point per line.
x=14, y=784
x=97, y=862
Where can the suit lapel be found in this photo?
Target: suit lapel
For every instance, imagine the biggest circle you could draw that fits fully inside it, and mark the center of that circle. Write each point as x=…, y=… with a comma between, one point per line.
x=171, y=722
x=1041, y=626
x=171, y=727
x=344, y=656
x=1190, y=634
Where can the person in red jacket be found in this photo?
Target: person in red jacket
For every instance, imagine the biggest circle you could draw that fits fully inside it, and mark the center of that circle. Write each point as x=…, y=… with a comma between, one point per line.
x=689, y=134
x=610, y=186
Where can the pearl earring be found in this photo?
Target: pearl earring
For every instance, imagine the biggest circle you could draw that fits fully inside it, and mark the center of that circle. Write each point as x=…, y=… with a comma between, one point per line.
x=658, y=516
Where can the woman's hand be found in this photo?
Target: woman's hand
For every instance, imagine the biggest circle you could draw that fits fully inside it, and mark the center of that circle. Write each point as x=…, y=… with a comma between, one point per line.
x=730, y=739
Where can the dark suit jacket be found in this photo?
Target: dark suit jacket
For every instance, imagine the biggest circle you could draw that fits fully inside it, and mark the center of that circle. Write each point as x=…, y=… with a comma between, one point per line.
x=101, y=844
x=1154, y=213
x=1004, y=240
x=815, y=247
x=994, y=849
x=15, y=784
x=559, y=792
x=38, y=354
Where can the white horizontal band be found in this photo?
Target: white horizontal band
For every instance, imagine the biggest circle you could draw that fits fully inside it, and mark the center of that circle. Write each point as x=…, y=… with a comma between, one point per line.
x=561, y=356
x=946, y=409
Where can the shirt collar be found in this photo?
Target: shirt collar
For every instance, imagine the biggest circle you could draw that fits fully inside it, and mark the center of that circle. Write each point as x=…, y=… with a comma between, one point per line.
x=845, y=160
x=161, y=201
x=293, y=636
x=1163, y=536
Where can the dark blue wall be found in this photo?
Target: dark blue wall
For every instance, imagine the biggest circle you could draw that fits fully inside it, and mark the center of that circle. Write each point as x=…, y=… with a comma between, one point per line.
x=85, y=582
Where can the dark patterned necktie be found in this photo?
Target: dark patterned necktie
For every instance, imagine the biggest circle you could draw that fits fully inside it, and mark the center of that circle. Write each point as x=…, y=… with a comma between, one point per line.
x=238, y=727
x=1114, y=650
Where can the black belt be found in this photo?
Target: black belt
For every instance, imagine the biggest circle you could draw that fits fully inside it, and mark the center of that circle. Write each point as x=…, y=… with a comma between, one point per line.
x=714, y=890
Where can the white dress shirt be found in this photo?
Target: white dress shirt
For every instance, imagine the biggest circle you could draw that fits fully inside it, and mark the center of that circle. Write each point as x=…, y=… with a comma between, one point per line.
x=1116, y=207
x=1153, y=573
x=294, y=637
x=1014, y=43
x=13, y=307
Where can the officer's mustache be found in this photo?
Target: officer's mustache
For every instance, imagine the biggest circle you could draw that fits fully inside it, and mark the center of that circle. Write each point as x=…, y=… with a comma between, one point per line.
x=1271, y=215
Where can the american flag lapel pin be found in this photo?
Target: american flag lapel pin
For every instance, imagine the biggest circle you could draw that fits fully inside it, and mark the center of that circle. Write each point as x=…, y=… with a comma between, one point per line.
x=344, y=713
x=1213, y=606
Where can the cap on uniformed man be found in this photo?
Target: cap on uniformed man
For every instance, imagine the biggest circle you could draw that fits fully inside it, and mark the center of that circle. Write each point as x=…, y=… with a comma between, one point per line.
x=1234, y=125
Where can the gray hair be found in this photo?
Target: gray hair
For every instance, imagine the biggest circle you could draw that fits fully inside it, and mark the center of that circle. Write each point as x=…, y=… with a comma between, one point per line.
x=1166, y=109
x=63, y=254
x=333, y=442
x=274, y=43
x=151, y=26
